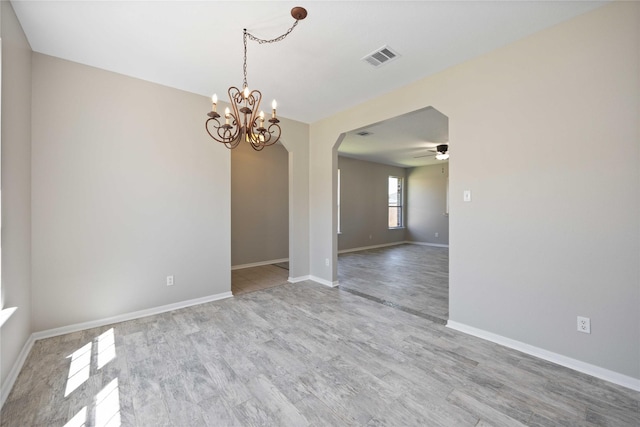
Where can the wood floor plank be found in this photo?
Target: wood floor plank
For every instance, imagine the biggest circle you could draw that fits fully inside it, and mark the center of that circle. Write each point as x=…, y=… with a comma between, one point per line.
x=481, y=410
x=254, y=413
x=278, y=404
x=216, y=412
x=320, y=415
x=180, y=402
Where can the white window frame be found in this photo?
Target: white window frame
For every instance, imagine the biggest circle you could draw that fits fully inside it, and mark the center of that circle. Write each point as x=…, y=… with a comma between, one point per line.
x=399, y=206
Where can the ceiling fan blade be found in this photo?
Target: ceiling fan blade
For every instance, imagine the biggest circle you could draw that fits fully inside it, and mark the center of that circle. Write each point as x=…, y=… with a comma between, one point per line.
x=424, y=155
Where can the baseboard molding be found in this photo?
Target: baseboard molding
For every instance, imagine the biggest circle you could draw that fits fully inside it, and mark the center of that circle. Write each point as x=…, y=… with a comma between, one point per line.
x=258, y=264
x=384, y=245
x=323, y=281
x=7, y=385
x=298, y=279
x=128, y=316
x=364, y=248
x=437, y=245
x=568, y=362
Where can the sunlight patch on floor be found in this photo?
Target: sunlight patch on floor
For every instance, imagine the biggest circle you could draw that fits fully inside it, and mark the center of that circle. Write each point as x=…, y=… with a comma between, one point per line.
x=107, y=400
x=79, y=419
x=106, y=348
x=108, y=406
x=79, y=369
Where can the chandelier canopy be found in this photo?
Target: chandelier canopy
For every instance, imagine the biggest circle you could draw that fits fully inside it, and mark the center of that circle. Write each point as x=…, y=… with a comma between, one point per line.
x=243, y=122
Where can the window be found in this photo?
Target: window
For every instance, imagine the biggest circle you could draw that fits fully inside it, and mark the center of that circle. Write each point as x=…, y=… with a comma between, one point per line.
x=447, y=198
x=338, y=201
x=395, y=202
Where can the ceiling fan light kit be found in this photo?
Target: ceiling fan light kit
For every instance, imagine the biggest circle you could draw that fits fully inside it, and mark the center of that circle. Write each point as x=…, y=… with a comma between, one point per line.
x=244, y=123
x=443, y=152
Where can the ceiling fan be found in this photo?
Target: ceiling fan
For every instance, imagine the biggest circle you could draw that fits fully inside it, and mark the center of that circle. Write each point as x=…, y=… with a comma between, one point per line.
x=441, y=152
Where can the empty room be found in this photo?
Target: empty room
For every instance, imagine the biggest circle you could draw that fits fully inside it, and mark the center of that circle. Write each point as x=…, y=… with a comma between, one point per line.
x=149, y=192
x=393, y=215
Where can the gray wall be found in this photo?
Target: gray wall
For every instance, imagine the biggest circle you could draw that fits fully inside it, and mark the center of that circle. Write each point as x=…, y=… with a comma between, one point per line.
x=126, y=189
x=550, y=234
x=364, y=204
x=16, y=192
x=426, y=208
x=259, y=204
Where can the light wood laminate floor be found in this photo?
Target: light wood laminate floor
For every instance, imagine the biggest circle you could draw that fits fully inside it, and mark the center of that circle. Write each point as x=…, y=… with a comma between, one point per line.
x=296, y=355
x=253, y=279
x=413, y=278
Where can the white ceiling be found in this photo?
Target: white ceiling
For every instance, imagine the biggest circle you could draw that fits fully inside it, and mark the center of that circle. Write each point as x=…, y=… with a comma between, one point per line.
x=400, y=141
x=316, y=72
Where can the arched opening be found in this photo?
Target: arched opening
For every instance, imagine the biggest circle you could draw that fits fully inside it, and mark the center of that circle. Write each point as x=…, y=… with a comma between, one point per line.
x=259, y=218
x=392, y=212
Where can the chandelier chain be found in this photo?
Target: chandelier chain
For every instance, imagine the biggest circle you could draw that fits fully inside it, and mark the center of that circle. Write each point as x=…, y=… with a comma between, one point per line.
x=261, y=41
x=277, y=39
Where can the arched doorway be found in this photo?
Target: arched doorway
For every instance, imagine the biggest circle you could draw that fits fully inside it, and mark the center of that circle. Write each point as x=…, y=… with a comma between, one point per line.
x=259, y=218
x=392, y=218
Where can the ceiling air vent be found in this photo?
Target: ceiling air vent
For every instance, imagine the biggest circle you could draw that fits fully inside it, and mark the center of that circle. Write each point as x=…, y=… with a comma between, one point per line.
x=364, y=133
x=381, y=56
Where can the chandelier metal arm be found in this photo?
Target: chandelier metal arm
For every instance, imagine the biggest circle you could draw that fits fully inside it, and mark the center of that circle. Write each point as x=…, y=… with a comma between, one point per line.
x=223, y=133
x=261, y=137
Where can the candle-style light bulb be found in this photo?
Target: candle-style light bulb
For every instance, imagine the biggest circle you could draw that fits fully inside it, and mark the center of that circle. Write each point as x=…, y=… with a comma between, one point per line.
x=245, y=93
x=214, y=100
x=226, y=115
x=274, y=104
x=261, y=119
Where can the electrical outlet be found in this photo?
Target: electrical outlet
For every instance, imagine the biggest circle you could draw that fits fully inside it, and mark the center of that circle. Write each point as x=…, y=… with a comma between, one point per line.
x=326, y=262
x=584, y=325
x=437, y=234
x=169, y=280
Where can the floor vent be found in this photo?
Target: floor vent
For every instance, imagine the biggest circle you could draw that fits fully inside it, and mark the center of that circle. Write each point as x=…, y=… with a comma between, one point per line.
x=384, y=55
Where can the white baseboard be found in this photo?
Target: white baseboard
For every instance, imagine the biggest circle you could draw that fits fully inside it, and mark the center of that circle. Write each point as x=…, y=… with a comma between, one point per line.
x=437, y=245
x=7, y=385
x=364, y=248
x=258, y=264
x=128, y=316
x=568, y=362
x=323, y=281
x=298, y=279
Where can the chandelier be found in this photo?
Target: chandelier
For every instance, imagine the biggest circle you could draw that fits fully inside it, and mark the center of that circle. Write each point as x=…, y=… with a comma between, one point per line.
x=244, y=122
